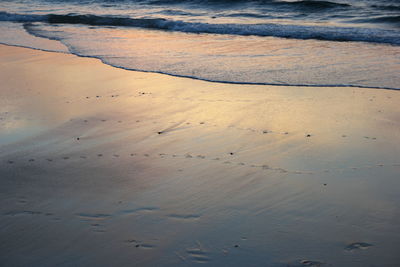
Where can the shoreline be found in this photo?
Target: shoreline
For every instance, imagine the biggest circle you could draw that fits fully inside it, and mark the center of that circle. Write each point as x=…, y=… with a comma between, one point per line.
x=211, y=81
x=98, y=161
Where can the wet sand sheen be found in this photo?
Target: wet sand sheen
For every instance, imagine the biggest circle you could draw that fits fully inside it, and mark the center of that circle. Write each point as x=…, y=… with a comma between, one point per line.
x=97, y=162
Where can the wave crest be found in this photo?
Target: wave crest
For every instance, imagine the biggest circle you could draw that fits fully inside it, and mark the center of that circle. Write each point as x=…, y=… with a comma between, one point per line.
x=267, y=29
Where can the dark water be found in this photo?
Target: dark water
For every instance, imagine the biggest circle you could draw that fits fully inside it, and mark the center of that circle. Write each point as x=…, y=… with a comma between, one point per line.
x=351, y=43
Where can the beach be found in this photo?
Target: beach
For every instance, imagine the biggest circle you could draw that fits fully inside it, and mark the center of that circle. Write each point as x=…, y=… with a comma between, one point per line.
x=103, y=166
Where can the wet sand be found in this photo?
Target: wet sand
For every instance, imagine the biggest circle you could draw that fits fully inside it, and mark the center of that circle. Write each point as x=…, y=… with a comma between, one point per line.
x=106, y=167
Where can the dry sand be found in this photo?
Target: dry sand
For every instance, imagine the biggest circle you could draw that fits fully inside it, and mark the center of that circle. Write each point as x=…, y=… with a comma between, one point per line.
x=106, y=167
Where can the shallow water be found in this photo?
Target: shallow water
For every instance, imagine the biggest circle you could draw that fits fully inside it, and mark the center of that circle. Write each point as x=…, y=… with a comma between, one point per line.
x=352, y=43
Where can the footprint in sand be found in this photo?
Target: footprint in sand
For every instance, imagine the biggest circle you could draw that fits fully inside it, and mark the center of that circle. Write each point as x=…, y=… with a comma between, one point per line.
x=184, y=216
x=198, y=255
x=139, y=244
x=311, y=263
x=145, y=246
x=93, y=216
x=22, y=212
x=99, y=228
x=265, y=167
x=27, y=212
x=138, y=210
x=357, y=246
x=281, y=170
x=22, y=201
x=301, y=263
x=93, y=219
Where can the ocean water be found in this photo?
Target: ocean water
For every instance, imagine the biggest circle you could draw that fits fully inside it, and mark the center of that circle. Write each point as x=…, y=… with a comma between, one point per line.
x=312, y=43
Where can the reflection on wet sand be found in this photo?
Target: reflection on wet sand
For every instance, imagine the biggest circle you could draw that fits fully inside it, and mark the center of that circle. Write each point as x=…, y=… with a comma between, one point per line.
x=172, y=172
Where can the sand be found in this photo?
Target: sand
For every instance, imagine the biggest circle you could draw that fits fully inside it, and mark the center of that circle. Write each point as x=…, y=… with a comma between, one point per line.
x=101, y=166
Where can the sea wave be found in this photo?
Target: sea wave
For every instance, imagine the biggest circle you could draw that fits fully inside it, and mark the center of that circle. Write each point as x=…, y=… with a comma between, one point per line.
x=5, y=16
x=356, y=34
x=305, y=4
x=389, y=19
x=308, y=5
x=389, y=7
